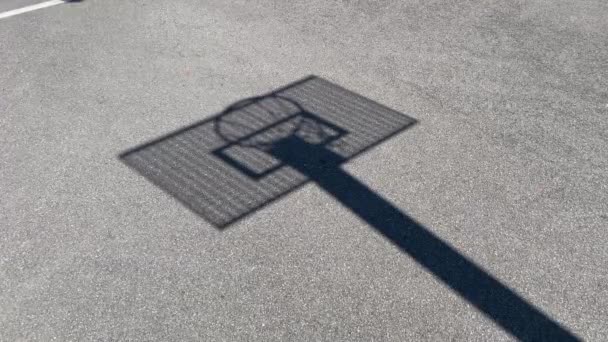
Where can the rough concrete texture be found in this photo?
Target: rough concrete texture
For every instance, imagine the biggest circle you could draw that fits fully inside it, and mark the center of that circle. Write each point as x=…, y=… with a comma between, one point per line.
x=508, y=164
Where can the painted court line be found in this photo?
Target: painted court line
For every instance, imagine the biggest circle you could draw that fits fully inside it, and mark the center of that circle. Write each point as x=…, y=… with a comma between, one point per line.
x=31, y=8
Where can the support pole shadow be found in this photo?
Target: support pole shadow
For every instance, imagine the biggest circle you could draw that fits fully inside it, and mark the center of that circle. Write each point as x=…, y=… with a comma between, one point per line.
x=487, y=294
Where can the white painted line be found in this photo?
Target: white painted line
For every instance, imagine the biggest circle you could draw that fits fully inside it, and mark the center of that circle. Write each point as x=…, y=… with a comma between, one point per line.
x=31, y=8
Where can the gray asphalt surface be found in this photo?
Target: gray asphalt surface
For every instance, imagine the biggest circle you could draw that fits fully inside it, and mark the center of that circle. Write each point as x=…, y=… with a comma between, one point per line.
x=8, y=5
x=508, y=164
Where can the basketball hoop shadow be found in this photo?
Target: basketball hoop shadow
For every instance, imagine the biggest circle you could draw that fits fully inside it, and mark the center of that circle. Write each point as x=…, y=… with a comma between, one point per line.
x=262, y=148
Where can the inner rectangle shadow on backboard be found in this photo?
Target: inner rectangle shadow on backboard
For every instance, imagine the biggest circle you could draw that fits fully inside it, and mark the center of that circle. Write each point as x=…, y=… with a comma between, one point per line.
x=220, y=167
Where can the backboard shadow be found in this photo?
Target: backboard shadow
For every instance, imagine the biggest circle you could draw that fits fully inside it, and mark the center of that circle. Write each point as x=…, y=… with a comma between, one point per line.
x=198, y=166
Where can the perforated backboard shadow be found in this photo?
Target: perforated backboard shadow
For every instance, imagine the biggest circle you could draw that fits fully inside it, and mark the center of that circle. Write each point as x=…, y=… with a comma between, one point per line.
x=220, y=167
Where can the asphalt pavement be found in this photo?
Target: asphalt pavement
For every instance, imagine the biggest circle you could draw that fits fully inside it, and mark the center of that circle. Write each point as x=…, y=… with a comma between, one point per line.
x=485, y=220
